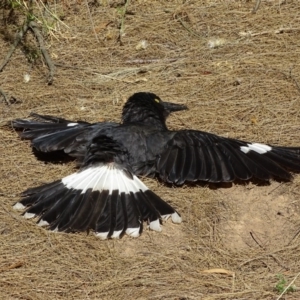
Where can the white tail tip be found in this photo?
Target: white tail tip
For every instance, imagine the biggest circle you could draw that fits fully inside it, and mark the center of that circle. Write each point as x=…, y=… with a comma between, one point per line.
x=116, y=234
x=133, y=232
x=18, y=206
x=43, y=223
x=29, y=215
x=176, y=218
x=102, y=235
x=155, y=225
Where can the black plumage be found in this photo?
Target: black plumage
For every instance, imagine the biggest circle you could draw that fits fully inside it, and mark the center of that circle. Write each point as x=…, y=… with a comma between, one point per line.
x=142, y=145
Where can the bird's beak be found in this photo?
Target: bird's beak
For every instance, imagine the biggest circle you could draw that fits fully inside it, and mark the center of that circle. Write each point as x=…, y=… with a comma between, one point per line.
x=170, y=107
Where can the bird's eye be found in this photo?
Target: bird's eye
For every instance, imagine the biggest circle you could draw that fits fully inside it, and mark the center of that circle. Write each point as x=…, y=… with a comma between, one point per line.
x=157, y=100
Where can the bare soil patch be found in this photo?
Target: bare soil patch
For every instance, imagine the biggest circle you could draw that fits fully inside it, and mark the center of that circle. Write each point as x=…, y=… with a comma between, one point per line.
x=239, y=74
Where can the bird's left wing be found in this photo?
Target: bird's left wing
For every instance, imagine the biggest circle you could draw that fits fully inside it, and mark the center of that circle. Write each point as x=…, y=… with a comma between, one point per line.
x=103, y=196
x=195, y=155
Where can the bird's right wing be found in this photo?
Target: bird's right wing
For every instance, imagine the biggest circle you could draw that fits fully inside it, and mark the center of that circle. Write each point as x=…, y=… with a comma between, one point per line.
x=48, y=133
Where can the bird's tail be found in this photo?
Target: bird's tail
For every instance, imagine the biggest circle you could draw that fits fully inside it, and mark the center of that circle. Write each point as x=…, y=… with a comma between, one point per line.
x=104, y=196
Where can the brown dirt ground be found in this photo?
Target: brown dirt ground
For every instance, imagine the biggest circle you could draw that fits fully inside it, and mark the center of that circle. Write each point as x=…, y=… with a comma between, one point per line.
x=234, y=240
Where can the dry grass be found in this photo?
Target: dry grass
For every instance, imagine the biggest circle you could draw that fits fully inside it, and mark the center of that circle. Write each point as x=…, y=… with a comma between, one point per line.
x=247, y=87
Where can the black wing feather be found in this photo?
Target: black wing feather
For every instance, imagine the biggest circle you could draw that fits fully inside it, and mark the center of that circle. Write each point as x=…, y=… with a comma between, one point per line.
x=236, y=162
x=217, y=159
x=50, y=133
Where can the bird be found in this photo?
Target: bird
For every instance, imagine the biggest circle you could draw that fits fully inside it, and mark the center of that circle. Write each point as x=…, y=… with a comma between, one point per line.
x=106, y=195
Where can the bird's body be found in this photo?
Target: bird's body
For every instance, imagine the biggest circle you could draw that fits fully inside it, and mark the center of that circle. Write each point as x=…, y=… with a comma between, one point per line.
x=151, y=150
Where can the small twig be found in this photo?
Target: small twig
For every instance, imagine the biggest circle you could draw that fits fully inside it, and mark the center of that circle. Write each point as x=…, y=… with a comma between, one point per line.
x=279, y=262
x=50, y=13
x=271, y=254
x=297, y=84
x=121, y=32
x=18, y=38
x=292, y=77
x=277, y=31
x=4, y=96
x=283, y=30
x=279, y=185
x=185, y=26
x=188, y=28
x=90, y=15
x=150, y=61
x=289, y=285
x=252, y=235
x=255, y=8
x=20, y=35
x=114, y=78
x=13, y=266
x=294, y=237
x=34, y=27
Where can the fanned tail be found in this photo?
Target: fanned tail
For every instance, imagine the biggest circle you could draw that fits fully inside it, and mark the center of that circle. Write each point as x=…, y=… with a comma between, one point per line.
x=104, y=196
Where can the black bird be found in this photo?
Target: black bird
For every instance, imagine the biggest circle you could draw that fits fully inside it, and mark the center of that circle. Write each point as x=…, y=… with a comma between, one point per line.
x=106, y=196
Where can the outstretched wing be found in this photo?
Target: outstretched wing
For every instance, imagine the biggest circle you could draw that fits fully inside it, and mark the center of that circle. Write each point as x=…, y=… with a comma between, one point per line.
x=49, y=134
x=194, y=155
x=103, y=196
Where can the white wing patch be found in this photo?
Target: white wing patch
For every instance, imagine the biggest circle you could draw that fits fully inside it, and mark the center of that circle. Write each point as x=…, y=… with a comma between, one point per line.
x=72, y=124
x=257, y=147
x=103, y=177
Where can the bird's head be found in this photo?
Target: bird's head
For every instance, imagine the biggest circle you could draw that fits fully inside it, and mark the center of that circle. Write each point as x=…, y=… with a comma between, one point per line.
x=148, y=108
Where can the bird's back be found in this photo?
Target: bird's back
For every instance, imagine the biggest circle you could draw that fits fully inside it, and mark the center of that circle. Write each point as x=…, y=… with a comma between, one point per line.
x=143, y=143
